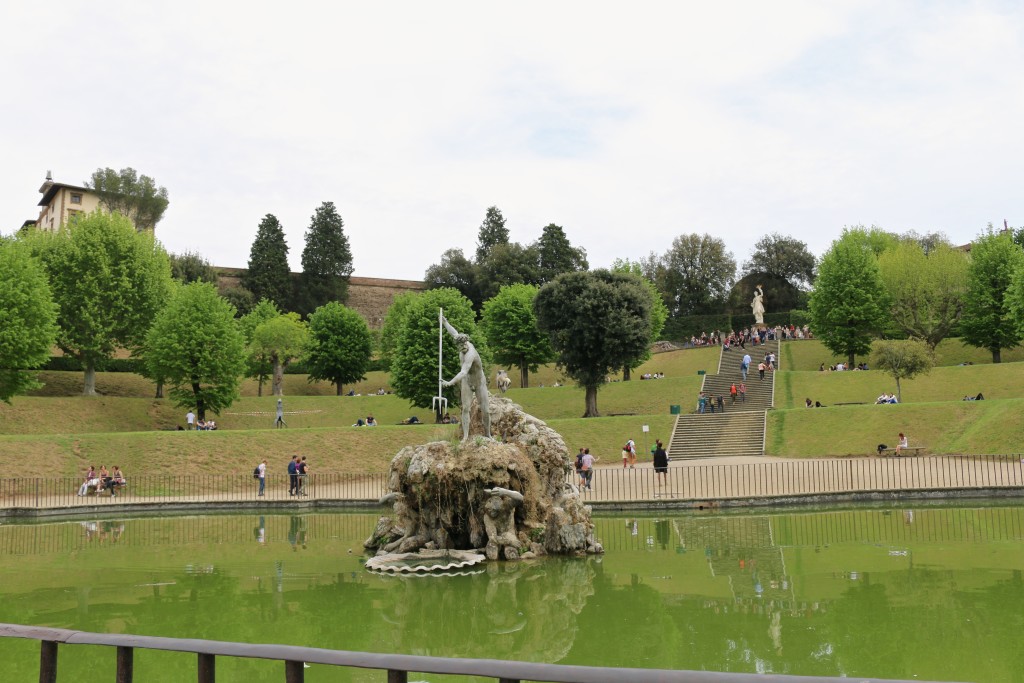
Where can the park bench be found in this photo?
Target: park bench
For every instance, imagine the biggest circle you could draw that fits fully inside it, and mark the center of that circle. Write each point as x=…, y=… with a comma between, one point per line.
x=910, y=450
x=91, y=490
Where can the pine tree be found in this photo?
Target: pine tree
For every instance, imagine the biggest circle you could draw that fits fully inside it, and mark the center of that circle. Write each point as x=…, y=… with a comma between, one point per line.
x=557, y=255
x=492, y=233
x=326, y=261
x=268, y=276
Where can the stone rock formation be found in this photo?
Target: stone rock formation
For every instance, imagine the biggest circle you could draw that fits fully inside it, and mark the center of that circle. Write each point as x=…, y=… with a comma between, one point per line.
x=510, y=497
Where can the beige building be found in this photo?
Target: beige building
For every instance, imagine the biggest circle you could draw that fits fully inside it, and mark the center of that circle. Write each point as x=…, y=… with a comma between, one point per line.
x=61, y=203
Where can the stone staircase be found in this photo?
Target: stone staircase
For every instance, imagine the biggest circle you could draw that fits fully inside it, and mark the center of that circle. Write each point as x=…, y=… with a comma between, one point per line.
x=739, y=430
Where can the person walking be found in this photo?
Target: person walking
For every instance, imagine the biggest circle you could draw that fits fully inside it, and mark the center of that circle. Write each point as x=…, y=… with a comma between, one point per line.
x=761, y=367
x=711, y=402
x=190, y=420
x=629, y=450
x=588, y=468
x=279, y=422
x=743, y=392
x=721, y=403
x=733, y=392
x=261, y=474
x=745, y=366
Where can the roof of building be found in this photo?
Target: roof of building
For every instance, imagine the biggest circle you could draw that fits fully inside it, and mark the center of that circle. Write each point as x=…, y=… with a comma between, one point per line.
x=50, y=189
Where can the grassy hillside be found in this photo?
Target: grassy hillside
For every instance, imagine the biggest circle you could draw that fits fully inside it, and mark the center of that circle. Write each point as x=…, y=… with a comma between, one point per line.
x=810, y=354
x=977, y=427
x=1005, y=380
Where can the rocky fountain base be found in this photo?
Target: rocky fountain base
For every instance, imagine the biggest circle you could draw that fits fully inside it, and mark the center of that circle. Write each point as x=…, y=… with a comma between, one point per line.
x=508, y=496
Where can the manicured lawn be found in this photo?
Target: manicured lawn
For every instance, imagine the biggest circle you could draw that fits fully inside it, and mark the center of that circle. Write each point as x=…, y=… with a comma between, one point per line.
x=809, y=354
x=1004, y=380
x=975, y=427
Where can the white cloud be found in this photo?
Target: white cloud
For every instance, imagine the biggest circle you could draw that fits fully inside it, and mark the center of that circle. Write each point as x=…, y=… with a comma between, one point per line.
x=627, y=125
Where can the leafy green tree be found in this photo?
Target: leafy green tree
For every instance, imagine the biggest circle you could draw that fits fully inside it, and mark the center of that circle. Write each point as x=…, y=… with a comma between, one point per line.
x=326, y=260
x=507, y=264
x=192, y=267
x=28, y=319
x=339, y=345
x=196, y=347
x=394, y=323
x=131, y=195
x=268, y=275
x=694, y=275
x=988, y=321
x=784, y=257
x=659, y=311
x=874, y=239
x=926, y=289
x=492, y=233
x=258, y=364
x=414, y=368
x=556, y=255
x=902, y=359
x=108, y=282
x=598, y=322
x=280, y=340
x=239, y=297
x=849, y=304
x=512, y=333
x=457, y=272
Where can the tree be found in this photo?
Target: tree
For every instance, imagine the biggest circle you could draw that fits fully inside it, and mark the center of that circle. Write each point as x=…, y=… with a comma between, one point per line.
x=988, y=321
x=280, y=340
x=694, y=275
x=394, y=322
x=131, y=195
x=239, y=297
x=784, y=257
x=28, y=319
x=191, y=267
x=457, y=272
x=108, y=282
x=258, y=363
x=326, y=260
x=556, y=255
x=512, y=333
x=598, y=322
x=902, y=359
x=414, y=368
x=659, y=311
x=339, y=345
x=507, y=264
x=196, y=346
x=926, y=289
x=268, y=275
x=849, y=303
x=492, y=233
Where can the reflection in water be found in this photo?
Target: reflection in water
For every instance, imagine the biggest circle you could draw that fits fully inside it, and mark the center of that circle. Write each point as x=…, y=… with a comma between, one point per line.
x=932, y=593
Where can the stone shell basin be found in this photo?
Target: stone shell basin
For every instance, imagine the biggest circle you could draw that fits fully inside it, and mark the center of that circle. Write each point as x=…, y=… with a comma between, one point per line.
x=424, y=562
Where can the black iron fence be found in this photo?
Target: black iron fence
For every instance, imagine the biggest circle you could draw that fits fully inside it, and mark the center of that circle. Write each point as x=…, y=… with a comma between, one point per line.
x=685, y=481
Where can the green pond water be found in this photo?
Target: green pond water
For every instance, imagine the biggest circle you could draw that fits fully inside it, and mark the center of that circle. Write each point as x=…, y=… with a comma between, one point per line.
x=928, y=593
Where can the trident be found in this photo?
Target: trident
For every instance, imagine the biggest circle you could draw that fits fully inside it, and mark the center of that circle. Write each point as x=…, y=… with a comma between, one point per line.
x=439, y=403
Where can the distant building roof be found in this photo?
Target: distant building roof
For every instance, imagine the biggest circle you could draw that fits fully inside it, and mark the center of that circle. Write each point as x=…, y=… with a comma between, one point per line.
x=50, y=188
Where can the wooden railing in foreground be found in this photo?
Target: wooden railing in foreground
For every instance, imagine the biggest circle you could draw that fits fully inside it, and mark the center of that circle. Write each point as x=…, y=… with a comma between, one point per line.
x=397, y=667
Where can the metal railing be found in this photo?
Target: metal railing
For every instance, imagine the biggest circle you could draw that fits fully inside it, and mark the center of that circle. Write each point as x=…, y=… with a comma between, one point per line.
x=397, y=667
x=695, y=481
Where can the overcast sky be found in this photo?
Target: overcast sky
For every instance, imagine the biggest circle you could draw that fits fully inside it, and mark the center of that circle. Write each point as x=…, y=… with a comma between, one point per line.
x=626, y=123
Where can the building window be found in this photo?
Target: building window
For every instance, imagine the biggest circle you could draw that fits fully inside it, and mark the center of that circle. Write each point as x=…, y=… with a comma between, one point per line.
x=76, y=197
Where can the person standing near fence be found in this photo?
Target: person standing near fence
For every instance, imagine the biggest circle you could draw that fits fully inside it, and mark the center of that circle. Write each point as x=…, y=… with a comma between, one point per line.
x=293, y=475
x=262, y=475
x=588, y=468
x=303, y=471
x=660, y=463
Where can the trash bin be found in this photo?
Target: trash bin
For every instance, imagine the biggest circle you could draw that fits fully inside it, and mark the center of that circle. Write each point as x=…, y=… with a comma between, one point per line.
x=701, y=372
x=674, y=410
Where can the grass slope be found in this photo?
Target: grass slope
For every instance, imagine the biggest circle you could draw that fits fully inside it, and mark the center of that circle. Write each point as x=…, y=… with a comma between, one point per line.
x=975, y=427
x=809, y=354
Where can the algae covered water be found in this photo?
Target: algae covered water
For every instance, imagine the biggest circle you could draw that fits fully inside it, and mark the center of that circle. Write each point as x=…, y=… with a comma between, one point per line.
x=929, y=593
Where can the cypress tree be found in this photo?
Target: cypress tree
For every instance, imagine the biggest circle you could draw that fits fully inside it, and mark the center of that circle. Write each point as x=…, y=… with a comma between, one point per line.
x=268, y=276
